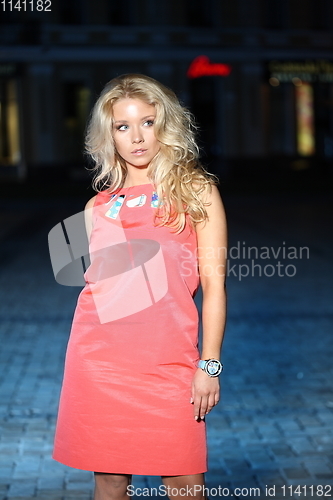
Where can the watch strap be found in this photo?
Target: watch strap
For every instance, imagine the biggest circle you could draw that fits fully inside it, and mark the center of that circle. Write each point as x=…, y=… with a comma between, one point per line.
x=202, y=363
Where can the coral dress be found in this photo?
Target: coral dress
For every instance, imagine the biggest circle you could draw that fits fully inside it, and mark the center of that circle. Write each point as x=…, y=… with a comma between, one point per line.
x=133, y=348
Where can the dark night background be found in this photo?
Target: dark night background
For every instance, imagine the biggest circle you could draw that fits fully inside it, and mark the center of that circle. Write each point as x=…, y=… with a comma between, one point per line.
x=54, y=63
x=266, y=131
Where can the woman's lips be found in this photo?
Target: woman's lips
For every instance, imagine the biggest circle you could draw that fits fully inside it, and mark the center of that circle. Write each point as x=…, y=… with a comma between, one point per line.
x=139, y=152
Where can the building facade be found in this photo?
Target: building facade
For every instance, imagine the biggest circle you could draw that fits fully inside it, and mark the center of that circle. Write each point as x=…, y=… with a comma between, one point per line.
x=277, y=100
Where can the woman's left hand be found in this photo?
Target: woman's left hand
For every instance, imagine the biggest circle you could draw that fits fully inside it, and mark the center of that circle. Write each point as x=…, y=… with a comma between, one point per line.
x=205, y=393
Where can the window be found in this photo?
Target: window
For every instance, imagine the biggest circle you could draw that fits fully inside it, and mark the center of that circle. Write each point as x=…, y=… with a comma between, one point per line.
x=9, y=123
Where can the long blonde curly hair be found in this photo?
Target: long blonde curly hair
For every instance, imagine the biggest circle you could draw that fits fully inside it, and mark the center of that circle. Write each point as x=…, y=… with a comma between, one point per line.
x=176, y=172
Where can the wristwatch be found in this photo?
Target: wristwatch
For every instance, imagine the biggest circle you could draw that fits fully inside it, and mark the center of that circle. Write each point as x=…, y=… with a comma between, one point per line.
x=213, y=367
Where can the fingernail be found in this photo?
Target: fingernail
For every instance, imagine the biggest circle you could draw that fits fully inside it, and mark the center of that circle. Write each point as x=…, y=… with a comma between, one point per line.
x=196, y=418
x=191, y=400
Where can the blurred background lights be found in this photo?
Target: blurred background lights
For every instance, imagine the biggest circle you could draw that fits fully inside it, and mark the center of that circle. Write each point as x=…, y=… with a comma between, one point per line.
x=274, y=81
x=305, y=119
x=297, y=81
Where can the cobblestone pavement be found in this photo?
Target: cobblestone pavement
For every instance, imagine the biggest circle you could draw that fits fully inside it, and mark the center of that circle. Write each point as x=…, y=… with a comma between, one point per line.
x=274, y=425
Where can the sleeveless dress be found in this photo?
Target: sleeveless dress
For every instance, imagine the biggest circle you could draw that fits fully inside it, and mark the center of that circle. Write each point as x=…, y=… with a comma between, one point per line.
x=133, y=347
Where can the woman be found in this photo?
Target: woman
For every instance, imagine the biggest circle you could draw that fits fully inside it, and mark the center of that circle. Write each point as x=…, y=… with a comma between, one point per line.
x=134, y=395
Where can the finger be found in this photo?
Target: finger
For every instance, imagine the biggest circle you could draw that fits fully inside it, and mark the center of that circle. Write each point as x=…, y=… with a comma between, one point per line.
x=211, y=403
x=203, y=406
x=192, y=395
x=197, y=407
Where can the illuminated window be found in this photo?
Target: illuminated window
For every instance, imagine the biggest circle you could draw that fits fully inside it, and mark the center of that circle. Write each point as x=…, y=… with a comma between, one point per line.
x=305, y=119
x=9, y=123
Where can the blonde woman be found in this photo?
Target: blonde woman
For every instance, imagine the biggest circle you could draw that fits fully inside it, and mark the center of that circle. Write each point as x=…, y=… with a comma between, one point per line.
x=136, y=389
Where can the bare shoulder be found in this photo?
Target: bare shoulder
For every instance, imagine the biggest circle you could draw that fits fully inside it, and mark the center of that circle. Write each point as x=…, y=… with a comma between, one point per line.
x=206, y=192
x=90, y=203
x=88, y=209
x=209, y=195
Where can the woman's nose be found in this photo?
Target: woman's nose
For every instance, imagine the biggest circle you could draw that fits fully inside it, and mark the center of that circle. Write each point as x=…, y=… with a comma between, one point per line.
x=137, y=135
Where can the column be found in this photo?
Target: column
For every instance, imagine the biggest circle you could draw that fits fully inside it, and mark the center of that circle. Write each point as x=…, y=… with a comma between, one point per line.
x=39, y=120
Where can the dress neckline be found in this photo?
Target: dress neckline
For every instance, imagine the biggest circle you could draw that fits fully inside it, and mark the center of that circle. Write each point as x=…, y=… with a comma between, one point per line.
x=137, y=186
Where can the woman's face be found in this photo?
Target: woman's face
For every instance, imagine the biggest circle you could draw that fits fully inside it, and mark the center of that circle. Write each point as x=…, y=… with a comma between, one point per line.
x=133, y=132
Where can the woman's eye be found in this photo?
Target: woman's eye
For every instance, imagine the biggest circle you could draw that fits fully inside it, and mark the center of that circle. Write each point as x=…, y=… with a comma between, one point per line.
x=149, y=123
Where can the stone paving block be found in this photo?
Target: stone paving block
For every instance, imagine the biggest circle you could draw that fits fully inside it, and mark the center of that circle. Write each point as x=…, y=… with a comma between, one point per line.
x=308, y=420
x=19, y=488
x=50, y=482
x=11, y=439
x=3, y=490
x=268, y=480
x=319, y=431
x=82, y=487
x=79, y=476
x=50, y=492
x=239, y=463
x=326, y=416
x=270, y=466
x=49, y=497
x=20, y=497
x=76, y=494
x=317, y=466
x=290, y=424
x=52, y=466
x=153, y=481
x=9, y=448
x=295, y=473
x=11, y=428
x=256, y=454
x=139, y=481
x=323, y=439
x=301, y=444
x=268, y=427
x=27, y=467
x=41, y=425
x=289, y=462
x=282, y=450
x=216, y=478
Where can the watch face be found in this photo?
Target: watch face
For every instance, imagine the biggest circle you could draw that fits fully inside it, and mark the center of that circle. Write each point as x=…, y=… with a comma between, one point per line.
x=213, y=367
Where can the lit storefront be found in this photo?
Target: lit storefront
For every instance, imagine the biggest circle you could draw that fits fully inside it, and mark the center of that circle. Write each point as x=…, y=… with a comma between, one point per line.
x=10, y=119
x=310, y=87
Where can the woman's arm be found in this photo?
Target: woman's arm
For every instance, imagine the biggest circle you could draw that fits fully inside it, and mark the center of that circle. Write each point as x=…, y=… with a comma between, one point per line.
x=88, y=210
x=212, y=256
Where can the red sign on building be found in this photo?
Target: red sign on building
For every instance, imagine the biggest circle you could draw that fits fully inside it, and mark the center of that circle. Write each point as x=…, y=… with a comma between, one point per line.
x=201, y=66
